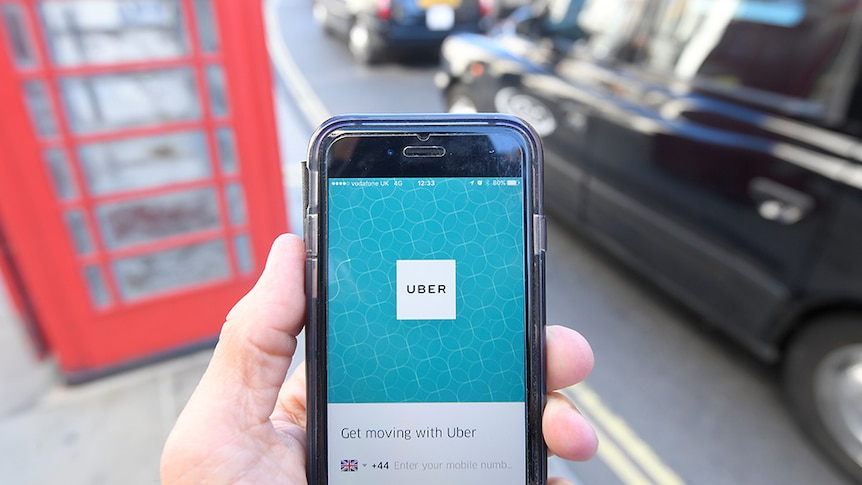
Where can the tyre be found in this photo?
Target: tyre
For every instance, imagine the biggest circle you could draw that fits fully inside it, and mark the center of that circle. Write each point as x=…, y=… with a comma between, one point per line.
x=362, y=45
x=823, y=382
x=321, y=17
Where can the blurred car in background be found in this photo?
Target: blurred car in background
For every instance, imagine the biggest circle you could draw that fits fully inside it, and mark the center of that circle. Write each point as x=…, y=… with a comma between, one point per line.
x=376, y=28
x=716, y=146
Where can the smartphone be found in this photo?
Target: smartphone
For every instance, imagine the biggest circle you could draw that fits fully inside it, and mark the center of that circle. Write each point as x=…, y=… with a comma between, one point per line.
x=425, y=238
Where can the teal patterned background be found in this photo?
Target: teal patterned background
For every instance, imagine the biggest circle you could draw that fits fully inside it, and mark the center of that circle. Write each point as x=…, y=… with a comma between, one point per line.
x=479, y=356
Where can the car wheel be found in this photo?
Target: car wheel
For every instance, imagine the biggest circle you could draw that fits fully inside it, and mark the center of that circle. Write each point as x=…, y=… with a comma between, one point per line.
x=458, y=100
x=362, y=46
x=823, y=381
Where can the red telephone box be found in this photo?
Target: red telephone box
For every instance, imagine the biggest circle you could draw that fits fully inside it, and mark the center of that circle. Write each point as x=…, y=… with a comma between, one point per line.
x=140, y=184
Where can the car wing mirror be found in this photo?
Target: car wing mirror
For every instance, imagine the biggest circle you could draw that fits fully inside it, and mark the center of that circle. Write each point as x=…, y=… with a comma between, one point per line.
x=523, y=21
x=526, y=28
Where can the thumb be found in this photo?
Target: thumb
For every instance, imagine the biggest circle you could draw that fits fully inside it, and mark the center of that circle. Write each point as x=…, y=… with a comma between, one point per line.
x=257, y=342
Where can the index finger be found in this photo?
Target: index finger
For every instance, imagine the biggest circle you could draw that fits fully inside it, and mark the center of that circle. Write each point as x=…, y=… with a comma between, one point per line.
x=569, y=357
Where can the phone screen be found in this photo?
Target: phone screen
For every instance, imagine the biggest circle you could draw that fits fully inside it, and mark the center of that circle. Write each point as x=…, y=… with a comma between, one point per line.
x=426, y=329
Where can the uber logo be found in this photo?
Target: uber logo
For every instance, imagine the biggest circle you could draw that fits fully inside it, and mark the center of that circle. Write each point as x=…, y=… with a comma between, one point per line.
x=426, y=289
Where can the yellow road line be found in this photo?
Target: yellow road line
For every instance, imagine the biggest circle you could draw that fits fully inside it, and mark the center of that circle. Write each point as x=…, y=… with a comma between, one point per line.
x=619, y=433
x=618, y=462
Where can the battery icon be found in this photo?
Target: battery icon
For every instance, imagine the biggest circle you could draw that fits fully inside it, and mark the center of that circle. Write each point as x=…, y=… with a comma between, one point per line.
x=511, y=182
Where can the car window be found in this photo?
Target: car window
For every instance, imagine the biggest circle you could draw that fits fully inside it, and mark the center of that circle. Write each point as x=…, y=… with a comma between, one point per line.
x=791, y=48
x=562, y=19
x=612, y=26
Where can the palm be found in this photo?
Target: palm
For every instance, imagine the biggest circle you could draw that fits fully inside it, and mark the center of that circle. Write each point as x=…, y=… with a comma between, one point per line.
x=239, y=450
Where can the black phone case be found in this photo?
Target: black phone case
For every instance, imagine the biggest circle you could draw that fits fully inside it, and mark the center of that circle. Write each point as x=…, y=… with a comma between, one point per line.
x=314, y=183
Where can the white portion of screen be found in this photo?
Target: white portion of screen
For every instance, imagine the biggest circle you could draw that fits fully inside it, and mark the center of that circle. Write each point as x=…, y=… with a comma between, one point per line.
x=427, y=443
x=425, y=289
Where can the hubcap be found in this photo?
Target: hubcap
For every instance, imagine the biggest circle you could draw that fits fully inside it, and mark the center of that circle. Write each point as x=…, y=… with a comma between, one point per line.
x=838, y=390
x=510, y=100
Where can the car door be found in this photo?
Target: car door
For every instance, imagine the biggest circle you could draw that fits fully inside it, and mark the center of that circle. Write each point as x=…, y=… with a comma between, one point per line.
x=711, y=168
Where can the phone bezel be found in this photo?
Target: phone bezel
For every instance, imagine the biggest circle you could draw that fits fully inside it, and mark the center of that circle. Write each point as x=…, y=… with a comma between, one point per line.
x=389, y=132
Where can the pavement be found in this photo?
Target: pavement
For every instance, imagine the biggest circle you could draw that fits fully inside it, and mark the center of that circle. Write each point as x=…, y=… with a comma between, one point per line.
x=109, y=431
x=104, y=432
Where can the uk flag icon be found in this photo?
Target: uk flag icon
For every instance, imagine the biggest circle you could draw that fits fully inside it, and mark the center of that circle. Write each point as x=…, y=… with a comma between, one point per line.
x=349, y=465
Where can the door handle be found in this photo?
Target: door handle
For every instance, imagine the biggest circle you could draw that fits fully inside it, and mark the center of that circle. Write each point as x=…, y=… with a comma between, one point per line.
x=779, y=203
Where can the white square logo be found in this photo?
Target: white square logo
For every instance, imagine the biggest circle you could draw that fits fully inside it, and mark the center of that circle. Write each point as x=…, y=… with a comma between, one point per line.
x=426, y=289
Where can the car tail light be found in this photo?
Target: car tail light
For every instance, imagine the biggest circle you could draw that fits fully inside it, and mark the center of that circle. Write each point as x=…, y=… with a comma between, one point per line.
x=384, y=9
x=477, y=69
x=486, y=7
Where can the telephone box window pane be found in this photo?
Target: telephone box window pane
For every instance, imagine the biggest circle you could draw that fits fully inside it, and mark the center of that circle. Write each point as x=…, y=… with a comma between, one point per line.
x=218, y=94
x=77, y=225
x=61, y=174
x=18, y=38
x=207, y=26
x=96, y=286
x=235, y=203
x=172, y=269
x=145, y=162
x=227, y=150
x=101, y=32
x=244, y=258
x=151, y=218
x=129, y=100
x=41, y=111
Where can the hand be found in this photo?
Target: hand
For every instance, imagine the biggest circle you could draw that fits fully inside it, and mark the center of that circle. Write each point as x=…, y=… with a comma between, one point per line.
x=245, y=424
